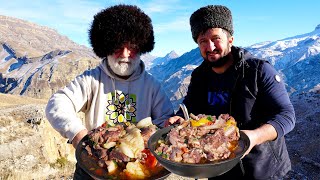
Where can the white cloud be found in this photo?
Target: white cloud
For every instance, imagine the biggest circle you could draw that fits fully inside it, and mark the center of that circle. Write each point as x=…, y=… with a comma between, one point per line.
x=158, y=6
x=179, y=24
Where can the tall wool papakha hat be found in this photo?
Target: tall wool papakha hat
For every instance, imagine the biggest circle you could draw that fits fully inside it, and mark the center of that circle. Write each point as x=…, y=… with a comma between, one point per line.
x=119, y=24
x=211, y=16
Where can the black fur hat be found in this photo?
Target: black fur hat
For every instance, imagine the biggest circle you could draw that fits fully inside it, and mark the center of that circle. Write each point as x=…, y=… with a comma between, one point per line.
x=116, y=25
x=212, y=16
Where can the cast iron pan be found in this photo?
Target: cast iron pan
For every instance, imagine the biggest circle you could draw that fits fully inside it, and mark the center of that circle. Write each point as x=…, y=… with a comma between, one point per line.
x=89, y=165
x=197, y=171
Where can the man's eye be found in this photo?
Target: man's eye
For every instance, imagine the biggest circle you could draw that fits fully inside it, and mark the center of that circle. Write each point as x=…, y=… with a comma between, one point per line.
x=133, y=47
x=216, y=38
x=202, y=42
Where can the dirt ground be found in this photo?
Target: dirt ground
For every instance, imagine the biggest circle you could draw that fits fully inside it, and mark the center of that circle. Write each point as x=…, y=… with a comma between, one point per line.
x=8, y=100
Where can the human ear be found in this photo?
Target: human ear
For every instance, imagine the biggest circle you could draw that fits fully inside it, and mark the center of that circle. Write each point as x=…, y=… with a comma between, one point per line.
x=230, y=40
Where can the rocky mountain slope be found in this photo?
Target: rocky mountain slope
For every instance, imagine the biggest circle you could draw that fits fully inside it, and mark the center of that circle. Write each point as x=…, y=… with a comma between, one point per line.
x=36, y=61
x=161, y=61
x=31, y=40
x=297, y=58
x=303, y=141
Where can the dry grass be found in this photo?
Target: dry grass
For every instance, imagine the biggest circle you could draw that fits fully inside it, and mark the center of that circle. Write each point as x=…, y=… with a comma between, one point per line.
x=15, y=175
x=8, y=100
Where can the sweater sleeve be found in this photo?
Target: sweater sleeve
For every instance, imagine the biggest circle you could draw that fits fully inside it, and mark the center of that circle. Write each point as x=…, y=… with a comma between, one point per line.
x=277, y=101
x=162, y=108
x=63, y=106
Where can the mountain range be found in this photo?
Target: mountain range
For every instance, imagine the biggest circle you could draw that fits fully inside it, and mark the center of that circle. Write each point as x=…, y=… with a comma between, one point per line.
x=36, y=61
x=296, y=58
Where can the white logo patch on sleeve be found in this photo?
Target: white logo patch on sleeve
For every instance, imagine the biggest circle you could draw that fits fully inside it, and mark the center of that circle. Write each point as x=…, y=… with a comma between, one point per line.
x=277, y=77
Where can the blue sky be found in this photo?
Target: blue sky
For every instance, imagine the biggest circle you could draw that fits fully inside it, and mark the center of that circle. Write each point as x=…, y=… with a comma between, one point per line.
x=254, y=21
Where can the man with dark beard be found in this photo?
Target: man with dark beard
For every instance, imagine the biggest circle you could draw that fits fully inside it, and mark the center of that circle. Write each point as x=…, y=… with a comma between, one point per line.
x=230, y=80
x=119, y=89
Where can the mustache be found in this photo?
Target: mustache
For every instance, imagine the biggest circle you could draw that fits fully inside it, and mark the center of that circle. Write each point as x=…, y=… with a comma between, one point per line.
x=127, y=60
x=215, y=51
x=123, y=59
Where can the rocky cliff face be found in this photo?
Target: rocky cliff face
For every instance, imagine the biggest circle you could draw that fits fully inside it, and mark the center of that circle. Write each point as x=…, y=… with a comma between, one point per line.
x=36, y=61
x=31, y=40
x=30, y=147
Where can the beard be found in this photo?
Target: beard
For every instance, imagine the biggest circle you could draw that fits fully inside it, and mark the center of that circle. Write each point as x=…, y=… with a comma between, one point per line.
x=221, y=61
x=218, y=63
x=123, y=66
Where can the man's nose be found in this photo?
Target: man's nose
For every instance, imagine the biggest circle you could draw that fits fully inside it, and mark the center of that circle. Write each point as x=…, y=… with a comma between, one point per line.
x=211, y=46
x=125, y=52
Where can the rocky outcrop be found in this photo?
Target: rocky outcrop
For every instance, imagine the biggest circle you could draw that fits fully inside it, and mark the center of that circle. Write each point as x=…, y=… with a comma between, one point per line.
x=36, y=61
x=303, y=141
x=30, y=147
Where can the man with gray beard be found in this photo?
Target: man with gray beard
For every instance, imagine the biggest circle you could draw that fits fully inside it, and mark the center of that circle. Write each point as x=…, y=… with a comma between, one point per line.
x=119, y=89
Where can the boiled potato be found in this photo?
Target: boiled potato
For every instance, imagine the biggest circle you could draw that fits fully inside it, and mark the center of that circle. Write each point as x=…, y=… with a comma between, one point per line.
x=136, y=170
x=144, y=123
x=132, y=143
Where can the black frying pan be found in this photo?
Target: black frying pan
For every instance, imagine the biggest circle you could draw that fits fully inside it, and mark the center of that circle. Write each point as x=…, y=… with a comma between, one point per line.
x=89, y=165
x=198, y=171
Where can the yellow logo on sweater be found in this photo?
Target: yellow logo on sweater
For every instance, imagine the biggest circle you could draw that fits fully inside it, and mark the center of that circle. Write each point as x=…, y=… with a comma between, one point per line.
x=120, y=107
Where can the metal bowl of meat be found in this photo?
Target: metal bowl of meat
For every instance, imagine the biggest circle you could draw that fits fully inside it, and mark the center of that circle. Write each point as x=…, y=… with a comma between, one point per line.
x=120, y=152
x=201, y=151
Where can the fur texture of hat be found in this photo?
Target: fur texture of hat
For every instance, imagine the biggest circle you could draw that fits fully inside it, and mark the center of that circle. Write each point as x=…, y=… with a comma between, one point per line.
x=211, y=16
x=116, y=25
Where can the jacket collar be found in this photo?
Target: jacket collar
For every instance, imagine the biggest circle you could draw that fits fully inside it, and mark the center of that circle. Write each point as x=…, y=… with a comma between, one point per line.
x=240, y=56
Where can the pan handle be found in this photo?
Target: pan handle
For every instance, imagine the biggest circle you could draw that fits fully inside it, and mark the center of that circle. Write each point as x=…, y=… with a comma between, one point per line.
x=242, y=168
x=185, y=111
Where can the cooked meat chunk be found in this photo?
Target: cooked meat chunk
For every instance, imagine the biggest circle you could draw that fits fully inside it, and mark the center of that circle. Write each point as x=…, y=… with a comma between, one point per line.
x=175, y=138
x=176, y=154
x=146, y=133
x=118, y=156
x=88, y=148
x=195, y=142
x=193, y=156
